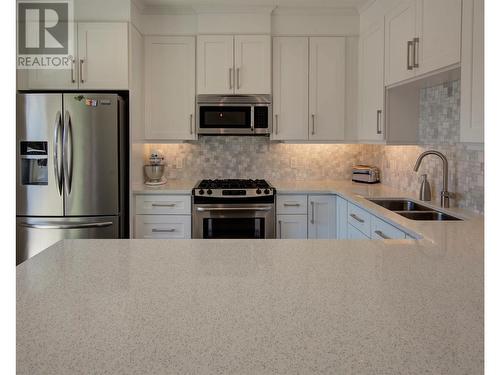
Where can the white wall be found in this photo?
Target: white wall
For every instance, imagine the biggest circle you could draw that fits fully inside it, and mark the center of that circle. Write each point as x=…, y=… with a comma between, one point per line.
x=102, y=10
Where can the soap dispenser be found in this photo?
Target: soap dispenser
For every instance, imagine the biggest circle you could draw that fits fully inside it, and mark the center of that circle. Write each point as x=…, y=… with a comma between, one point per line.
x=425, y=189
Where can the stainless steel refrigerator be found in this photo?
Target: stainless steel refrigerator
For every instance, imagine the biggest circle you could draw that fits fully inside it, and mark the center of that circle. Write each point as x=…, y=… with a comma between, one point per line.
x=71, y=169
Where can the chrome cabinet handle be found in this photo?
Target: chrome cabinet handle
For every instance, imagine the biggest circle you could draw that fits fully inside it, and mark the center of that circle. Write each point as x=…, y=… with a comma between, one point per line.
x=276, y=121
x=409, y=47
x=67, y=153
x=312, y=212
x=355, y=217
x=416, y=43
x=291, y=204
x=73, y=71
x=381, y=234
x=56, y=154
x=68, y=226
x=81, y=71
x=379, y=117
x=154, y=230
x=231, y=78
x=279, y=226
x=163, y=204
x=191, y=123
x=313, y=124
x=209, y=209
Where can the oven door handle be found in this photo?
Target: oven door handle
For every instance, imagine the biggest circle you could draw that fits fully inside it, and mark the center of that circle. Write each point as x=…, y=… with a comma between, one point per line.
x=208, y=209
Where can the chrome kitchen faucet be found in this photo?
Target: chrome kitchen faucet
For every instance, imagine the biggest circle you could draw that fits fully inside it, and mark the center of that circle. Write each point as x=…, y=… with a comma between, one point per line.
x=445, y=195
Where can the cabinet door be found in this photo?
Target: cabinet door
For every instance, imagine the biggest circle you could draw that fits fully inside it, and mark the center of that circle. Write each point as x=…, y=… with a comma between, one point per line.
x=400, y=31
x=290, y=88
x=354, y=234
x=371, y=84
x=252, y=64
x=291, y=226
x=50, y=79
x=170, y=87
x=103, y=56
x=472, y=72
x=215, y=65
x=438, y=28
x=327, y=88
x=321, y=215
x=342, y=223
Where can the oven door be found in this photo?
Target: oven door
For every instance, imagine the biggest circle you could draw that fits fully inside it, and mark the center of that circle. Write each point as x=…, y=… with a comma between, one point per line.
x=225, y=119
x=233, y=221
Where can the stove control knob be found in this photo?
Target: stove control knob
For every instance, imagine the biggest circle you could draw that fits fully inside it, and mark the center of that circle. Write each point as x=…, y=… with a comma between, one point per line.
x=209, y=191
x=259, y=191
x=201, y=192
x=266, y=191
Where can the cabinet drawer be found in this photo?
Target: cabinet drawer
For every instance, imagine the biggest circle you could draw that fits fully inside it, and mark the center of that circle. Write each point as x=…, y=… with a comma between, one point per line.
x=163, y=204
x=380, y=230
x=291, y=204
x=358, y=218
x=354, y=234
x=163, y=226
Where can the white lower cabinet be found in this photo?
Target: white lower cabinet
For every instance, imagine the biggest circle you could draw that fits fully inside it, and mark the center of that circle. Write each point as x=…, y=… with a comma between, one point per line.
x=291, y=226
x=354, y=234
x=163, y=216
x=163, y=226
x=341, y=216
x=380, y=230
x=321, y=216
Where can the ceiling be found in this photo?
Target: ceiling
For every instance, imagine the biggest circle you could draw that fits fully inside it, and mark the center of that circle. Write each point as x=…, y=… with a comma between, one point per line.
x=269, y=3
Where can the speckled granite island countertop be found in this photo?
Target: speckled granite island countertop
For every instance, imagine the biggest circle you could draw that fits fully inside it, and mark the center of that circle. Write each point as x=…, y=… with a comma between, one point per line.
x=259, y=306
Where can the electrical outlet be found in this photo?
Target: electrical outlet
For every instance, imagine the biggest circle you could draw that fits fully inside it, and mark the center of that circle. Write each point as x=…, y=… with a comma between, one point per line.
x=178, y=163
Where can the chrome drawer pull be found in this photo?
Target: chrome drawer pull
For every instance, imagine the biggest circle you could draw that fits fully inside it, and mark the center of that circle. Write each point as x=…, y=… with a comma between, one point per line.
x=154, y=230
x=291, y=204
x=355, y=217
x=163, y=204
x=381, y=234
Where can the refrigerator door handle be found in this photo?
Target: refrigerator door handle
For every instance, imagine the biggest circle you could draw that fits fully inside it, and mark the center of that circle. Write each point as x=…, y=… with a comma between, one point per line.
x=57, y=153
x=67, y=152
x=68, y=226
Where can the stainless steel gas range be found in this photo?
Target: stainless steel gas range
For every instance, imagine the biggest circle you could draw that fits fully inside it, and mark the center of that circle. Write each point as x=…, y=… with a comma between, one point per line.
x=233, y=209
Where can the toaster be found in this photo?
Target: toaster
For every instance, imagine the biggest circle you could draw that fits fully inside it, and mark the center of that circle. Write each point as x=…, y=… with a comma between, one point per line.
x=365, y=173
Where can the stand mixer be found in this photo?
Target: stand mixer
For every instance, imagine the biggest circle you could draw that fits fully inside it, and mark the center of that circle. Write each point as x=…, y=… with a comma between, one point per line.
x=155, y=169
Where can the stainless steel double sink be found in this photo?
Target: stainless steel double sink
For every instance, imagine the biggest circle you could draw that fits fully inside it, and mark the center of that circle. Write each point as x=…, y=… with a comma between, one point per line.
x=413, y=210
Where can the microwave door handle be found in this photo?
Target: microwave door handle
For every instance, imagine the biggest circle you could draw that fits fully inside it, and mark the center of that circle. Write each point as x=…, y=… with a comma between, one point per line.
x=252, y=113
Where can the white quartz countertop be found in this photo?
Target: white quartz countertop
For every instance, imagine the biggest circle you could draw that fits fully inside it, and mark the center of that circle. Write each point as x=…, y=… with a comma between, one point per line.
x=259, y=306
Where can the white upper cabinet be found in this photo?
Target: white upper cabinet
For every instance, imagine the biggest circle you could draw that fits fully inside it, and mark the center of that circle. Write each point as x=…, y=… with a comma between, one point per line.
x=228, y=64
x=321, y=216
x=472, y=72
x=327, y=88
x=421, y=36
x=400, y=31
x=252, y=64
x=103, y=55
x=215, y=62
x=100, y=62
x=170, y=88
x=371, y=84
x=438, y=32
x=290, y=88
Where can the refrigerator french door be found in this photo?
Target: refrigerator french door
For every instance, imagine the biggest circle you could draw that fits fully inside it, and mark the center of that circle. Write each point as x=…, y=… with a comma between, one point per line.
x=70, y=167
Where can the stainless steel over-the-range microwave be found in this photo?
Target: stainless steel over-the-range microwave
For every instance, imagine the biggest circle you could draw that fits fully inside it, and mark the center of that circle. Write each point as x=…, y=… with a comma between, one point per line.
x=235, y=114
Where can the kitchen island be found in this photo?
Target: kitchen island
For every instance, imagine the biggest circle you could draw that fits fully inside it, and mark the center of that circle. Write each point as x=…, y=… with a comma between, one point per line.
x=255, y=306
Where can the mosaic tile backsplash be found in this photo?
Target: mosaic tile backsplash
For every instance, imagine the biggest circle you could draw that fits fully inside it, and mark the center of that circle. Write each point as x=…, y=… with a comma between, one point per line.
x=257, y=157
x=439, y=129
